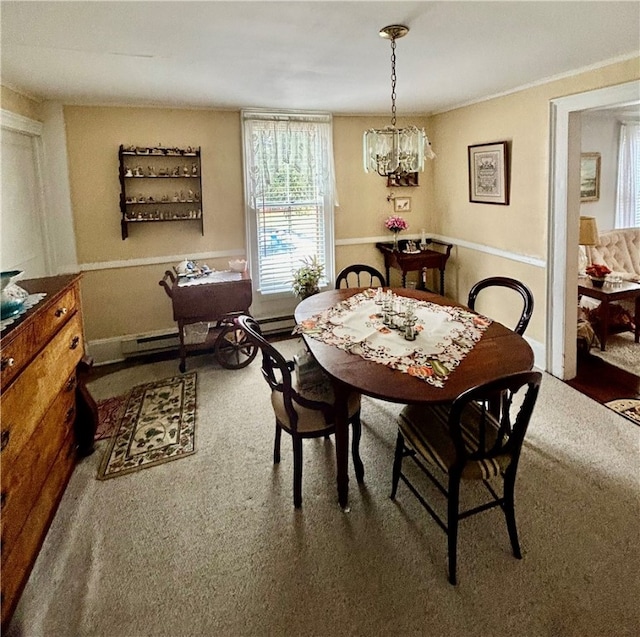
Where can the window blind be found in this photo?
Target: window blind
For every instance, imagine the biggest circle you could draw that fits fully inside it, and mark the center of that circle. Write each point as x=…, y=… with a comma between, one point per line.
x=289, y=194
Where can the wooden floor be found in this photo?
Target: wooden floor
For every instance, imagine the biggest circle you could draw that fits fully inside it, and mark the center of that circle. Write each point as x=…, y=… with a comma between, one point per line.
x=604, y=382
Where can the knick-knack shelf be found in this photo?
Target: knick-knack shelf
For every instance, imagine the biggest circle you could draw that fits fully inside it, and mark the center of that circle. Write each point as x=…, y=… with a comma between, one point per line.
x=145, y=196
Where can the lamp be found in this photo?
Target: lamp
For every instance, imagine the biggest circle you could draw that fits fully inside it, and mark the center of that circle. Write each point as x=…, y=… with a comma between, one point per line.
x=588, y=237
x=391, y=150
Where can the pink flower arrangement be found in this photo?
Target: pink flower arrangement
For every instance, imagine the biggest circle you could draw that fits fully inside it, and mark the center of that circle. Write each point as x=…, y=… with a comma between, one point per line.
x=395, y=223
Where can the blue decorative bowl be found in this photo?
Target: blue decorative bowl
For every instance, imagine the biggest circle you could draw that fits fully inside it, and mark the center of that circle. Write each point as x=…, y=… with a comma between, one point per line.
x=12, y=296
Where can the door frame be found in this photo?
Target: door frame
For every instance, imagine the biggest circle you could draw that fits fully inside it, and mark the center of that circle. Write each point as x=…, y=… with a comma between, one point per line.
x=564, y=214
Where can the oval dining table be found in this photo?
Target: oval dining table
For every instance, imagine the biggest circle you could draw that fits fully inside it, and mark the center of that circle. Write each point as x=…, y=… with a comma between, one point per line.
x=500, y=351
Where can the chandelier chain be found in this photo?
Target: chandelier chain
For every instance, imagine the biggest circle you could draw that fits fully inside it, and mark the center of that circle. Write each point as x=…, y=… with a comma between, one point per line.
x=393, y=82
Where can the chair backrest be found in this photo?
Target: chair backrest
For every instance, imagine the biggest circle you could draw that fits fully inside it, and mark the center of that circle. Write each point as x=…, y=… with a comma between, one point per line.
x=481, y=436
x=513, y=284
x=361, y=276
x=276, y=370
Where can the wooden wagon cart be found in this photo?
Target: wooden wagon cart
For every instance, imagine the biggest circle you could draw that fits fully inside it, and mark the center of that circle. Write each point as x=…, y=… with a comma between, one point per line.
x=218, y=298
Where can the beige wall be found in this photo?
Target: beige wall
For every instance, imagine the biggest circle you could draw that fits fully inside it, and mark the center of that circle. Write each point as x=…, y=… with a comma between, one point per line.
x=19, y=104
x=522, y=119
x=123, y=301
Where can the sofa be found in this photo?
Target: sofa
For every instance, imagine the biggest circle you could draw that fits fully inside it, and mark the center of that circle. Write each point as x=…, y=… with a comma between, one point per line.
x=619, y=250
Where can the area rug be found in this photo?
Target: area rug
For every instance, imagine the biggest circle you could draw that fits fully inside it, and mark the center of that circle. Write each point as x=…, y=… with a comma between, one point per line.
x=621, y=351
x=109, y=414
x=158, y=425
x=627, y=407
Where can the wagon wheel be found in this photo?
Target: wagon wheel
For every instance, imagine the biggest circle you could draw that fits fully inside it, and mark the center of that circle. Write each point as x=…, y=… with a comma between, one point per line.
x=233, y=349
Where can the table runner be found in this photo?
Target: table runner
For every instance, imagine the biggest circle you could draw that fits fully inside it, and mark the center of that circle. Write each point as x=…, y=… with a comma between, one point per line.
x=445, y=335
x=29, y=302
x=222, y=276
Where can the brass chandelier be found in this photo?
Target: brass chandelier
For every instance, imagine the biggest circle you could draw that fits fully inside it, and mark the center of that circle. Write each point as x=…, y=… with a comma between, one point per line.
x=390, y=150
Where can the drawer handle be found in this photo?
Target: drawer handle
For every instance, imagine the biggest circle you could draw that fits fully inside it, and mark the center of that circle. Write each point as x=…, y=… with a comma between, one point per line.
x=7, y=362
x=4, y=439
x=74, y=342
x=61, y=311
x=70, y=413
x=71, y=384
x=3, y=499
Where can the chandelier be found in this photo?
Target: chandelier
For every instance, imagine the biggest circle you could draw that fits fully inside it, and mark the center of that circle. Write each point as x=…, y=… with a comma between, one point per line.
x=390, y=150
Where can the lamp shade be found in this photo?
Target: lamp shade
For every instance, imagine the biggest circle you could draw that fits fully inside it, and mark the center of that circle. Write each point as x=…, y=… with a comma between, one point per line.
x=588, y=231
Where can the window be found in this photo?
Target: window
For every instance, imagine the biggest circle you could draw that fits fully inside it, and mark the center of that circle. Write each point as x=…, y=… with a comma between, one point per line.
x=289, y=194
x=628, y=192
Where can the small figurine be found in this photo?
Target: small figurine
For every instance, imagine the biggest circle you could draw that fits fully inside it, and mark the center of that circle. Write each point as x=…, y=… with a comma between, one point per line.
x=163, y=172
x=152, y=171
x=185, y=171
x=176, y=171
x=194, y=170
x=165, y=198
x=138, y=172
x=128, y=172
x=196, y=196
x=176, y=197
x=182, y=197
x=190, y=196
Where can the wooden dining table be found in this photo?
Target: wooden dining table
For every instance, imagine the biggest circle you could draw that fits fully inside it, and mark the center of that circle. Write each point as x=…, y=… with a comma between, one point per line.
x=499, y=351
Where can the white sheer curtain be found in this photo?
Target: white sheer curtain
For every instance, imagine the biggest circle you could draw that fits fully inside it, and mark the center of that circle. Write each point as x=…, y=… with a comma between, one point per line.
x=290, y=195
x=628, y=191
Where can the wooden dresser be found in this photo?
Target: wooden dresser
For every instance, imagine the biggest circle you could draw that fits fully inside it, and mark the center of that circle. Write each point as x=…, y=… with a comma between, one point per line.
x=40, y=431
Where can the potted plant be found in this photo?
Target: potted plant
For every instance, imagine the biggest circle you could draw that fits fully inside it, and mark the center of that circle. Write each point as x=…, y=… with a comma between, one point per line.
x=597, y=273
x=306, y=279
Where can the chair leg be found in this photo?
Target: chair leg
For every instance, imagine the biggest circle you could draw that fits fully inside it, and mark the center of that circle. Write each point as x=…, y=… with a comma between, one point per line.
x=355, y=448
x=510, y=513
x=276, y=444
x=397, y=464
x=452, y=525
x=297, y=472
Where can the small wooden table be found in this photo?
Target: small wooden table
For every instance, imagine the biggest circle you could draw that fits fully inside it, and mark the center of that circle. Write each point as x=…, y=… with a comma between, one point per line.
x=499, y=352
x=227, y=295
x=607, y=294
x=423, y=261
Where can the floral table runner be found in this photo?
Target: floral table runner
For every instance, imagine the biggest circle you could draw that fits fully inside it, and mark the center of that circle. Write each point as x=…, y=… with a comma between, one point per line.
x=444, y=335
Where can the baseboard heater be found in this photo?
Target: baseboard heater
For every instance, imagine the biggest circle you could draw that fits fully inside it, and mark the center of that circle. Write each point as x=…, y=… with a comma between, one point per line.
x=150, y=344
x=171, y=341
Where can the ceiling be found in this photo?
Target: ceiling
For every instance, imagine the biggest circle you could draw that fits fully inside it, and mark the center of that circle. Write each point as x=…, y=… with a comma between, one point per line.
x=302, y=55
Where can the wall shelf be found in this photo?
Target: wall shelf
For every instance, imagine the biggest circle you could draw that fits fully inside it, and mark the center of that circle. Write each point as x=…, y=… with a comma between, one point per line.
x=149, y=202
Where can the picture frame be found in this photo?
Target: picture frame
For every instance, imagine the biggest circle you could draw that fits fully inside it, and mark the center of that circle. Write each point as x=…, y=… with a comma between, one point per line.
x=489, y=173
x=400, y=181
x=589, y=177
x=402, y=204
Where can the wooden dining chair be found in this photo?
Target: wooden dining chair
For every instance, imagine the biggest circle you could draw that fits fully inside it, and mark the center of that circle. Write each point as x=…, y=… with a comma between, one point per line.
x=513, y=284
x=463, y=440
x=360, y=275
x=302, y=413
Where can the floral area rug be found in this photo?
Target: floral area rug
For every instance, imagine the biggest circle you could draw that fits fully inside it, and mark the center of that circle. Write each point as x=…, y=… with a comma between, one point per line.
x=627, y=407
x=109, y=415
x=157, y=425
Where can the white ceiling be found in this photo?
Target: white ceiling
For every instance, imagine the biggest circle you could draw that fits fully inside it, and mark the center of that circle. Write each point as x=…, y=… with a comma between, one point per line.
x=303, y=55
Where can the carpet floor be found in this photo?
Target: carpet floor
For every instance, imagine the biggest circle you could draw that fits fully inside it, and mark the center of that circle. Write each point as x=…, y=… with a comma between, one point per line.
x=212, y=545
x=621, y=351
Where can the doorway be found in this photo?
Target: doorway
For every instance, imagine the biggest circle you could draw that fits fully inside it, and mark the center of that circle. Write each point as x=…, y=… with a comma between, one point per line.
x=564, y=209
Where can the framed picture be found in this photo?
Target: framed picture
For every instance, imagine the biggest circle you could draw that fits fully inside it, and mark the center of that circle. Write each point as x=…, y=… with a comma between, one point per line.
x=402, y=204
x=408, y=179
x=489, y=173
x=589, y=176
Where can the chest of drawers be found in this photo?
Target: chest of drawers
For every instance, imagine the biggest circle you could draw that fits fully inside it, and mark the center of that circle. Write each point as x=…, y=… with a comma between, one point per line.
x=39, y=405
